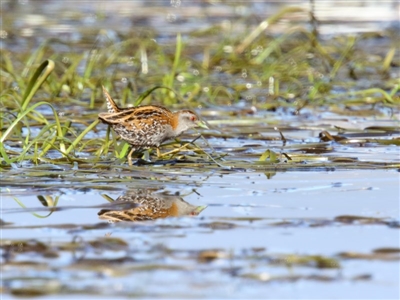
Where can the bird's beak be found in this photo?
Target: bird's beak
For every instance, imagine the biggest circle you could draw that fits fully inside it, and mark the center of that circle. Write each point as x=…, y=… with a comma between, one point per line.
x=201, y=124
x=199, y=209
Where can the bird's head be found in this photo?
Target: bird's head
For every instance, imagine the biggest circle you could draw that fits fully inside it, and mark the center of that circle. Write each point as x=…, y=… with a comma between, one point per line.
x=187, y=119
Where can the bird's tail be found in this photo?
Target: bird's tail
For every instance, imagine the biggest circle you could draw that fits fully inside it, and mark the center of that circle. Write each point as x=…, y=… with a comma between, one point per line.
x=111, y=105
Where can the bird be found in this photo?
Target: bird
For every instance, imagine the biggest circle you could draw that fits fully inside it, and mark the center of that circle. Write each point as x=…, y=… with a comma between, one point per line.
x=145, y=205
x=147, y=126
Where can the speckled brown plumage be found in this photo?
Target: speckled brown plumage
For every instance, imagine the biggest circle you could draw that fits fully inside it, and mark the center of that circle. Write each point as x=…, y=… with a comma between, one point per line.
x=150, y=206
x=147, y=126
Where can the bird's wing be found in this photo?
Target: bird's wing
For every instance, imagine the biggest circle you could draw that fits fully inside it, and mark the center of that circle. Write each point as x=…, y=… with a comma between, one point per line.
x=139, y=117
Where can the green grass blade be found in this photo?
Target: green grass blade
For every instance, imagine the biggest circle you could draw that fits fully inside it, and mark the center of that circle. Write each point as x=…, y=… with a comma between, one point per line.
x=36, y=82
x=149, y=91
x=27, y=111
x=4, y=154
x=81, y=136
x=178, y=52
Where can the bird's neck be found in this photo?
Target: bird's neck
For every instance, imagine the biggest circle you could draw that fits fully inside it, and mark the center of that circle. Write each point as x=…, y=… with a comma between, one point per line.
x=175, y=122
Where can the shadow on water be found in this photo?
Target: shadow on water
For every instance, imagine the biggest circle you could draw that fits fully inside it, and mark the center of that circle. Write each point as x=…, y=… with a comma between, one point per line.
x=149, y=206
x=255, y=230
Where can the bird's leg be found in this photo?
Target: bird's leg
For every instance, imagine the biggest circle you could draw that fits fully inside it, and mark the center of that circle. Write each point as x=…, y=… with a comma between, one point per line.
x=130, y=156
x=158, y=152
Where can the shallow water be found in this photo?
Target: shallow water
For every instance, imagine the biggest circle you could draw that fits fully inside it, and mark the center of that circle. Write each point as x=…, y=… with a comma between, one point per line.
x=324, y=223
x=250, y=222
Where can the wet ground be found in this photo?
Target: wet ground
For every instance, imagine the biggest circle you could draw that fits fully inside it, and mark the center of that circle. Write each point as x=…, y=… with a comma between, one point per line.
x=273, y=201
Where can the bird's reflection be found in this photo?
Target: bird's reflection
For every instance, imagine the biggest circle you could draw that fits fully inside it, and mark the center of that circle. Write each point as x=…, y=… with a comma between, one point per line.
x=147, y=205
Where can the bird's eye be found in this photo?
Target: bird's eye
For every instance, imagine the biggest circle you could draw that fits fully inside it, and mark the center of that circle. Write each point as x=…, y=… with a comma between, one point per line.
x=192, y=118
